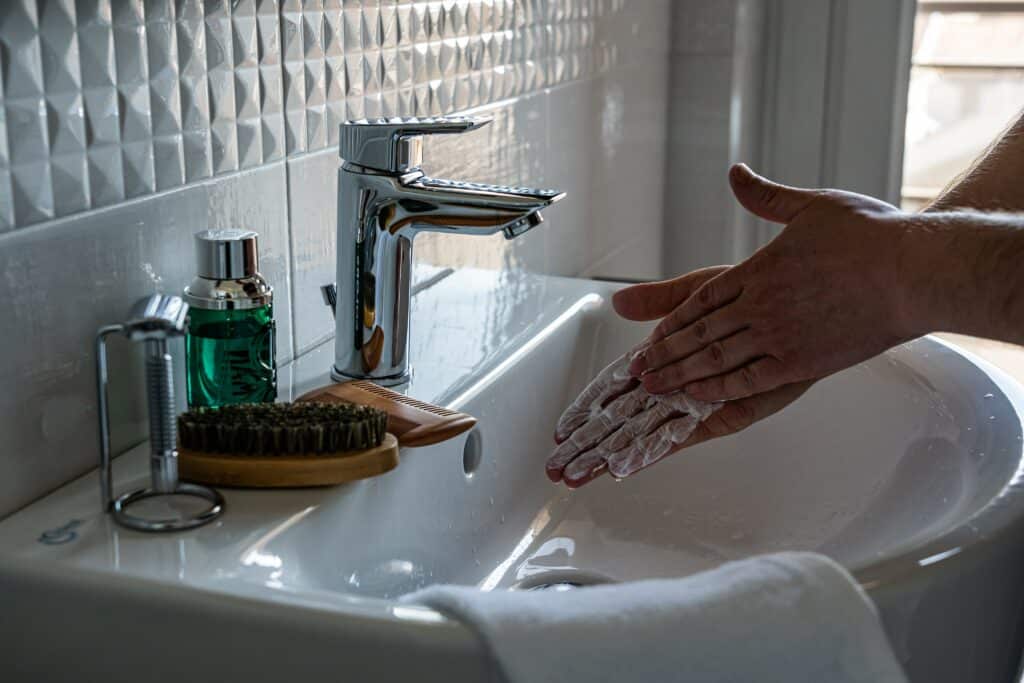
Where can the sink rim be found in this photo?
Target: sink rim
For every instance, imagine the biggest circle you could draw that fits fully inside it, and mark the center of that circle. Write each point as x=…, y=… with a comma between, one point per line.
x=966, y=542
x=960, y=546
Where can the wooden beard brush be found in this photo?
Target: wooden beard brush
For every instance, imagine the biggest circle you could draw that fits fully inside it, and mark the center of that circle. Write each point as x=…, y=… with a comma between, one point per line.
x=284, y=444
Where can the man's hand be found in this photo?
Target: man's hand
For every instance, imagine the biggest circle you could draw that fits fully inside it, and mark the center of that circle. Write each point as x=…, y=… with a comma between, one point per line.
x=624, y=428
x=614, y=413
x=616, y=426
x=825, y=294
x=654, y=300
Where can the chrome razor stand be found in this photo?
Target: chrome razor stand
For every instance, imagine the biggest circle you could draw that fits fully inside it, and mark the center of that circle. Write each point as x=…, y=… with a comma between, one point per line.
x=153, y=320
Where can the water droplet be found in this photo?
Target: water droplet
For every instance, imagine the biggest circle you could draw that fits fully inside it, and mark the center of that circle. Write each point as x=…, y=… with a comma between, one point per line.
x=502, y=520
x=478, y=563
x=989, y=395
x=492, y=500
x=991, y=418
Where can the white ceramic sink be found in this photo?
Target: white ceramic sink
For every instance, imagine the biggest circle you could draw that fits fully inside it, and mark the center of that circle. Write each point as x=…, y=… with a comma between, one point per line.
x=905, y=469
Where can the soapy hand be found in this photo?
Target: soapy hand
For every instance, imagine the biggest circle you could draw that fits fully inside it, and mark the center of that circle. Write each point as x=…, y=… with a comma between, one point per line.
x=615, y=425
x=614, y=410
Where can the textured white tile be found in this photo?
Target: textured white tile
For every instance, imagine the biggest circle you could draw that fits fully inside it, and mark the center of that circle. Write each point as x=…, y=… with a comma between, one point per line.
x=106, y=177
x=27, y=138
x=59, y=47
x=19, y=34
x=32, y=191
x=69, y=177
x=190, y=34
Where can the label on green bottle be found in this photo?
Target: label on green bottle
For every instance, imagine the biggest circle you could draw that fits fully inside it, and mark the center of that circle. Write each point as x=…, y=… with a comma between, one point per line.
x=229, y=356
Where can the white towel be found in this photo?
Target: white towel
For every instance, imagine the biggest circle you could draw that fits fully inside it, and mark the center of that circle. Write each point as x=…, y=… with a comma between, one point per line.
x=793, y=617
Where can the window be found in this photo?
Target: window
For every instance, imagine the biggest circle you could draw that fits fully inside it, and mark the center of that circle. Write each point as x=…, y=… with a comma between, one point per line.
x=966, y=85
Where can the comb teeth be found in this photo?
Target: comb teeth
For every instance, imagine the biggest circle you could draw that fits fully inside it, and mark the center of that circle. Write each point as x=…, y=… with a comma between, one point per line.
x=400, y=398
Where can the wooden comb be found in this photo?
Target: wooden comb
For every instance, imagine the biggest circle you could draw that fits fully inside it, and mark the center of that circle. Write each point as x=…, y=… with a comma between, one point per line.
x=415, y=423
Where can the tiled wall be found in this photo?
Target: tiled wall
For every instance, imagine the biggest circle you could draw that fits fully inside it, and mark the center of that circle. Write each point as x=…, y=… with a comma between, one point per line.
x=127, y=126
x=108, y=101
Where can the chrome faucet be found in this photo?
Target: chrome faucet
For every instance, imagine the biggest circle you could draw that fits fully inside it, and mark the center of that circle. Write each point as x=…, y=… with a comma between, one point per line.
x=384, y=200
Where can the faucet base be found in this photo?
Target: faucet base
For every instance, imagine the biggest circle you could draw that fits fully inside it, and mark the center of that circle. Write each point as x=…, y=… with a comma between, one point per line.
x=393, y=381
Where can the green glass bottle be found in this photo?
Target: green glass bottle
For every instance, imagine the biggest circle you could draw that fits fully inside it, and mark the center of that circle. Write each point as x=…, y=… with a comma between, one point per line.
x=229, y=348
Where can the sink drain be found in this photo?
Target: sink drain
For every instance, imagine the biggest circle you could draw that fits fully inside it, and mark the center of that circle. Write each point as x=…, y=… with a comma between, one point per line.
x=561, y=581
x=559, y=587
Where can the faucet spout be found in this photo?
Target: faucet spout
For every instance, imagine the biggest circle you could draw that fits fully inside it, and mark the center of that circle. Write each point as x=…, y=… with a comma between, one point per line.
x=384, y=201
x=452, y=206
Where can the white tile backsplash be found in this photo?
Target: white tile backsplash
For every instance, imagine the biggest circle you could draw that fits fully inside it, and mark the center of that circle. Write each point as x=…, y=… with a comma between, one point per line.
x=185, y=90
x=62, y=281
x=312, y=183
x=125, y=127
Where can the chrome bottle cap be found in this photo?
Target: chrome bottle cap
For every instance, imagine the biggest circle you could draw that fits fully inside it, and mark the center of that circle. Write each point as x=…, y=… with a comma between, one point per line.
x=227, y=254
x=228, y=276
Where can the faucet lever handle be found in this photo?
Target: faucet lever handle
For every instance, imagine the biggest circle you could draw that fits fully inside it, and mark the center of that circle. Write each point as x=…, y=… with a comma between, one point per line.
x=394, y=145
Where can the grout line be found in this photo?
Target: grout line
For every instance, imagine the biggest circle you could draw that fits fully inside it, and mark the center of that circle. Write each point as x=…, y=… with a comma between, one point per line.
x=290, y=264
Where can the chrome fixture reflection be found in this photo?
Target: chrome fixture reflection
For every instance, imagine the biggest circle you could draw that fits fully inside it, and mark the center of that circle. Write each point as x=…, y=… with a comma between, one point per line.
x=152, y=320
x=384, y=200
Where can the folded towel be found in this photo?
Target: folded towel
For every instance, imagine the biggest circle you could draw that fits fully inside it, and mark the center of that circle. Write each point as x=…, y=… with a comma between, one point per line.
x=790, y=617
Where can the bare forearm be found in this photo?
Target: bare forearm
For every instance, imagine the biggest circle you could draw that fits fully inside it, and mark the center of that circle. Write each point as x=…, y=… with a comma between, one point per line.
x=964, y=273
x=993, y=183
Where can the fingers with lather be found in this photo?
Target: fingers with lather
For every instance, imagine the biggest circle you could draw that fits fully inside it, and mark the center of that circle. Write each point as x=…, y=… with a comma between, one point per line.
x=591, y=432
x=609, y=383
x=659, y=410
x=590, y=464
x=648, y=450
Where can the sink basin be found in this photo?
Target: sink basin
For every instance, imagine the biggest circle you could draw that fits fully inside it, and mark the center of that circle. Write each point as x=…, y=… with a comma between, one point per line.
x=906, y=469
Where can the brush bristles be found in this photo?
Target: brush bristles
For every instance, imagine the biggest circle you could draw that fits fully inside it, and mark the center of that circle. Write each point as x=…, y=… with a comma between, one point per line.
x=282, y=428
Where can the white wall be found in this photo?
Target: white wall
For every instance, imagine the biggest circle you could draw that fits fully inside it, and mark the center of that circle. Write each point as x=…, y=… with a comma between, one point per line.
x=808, y=92
x=698, y=204
x=123, y=133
